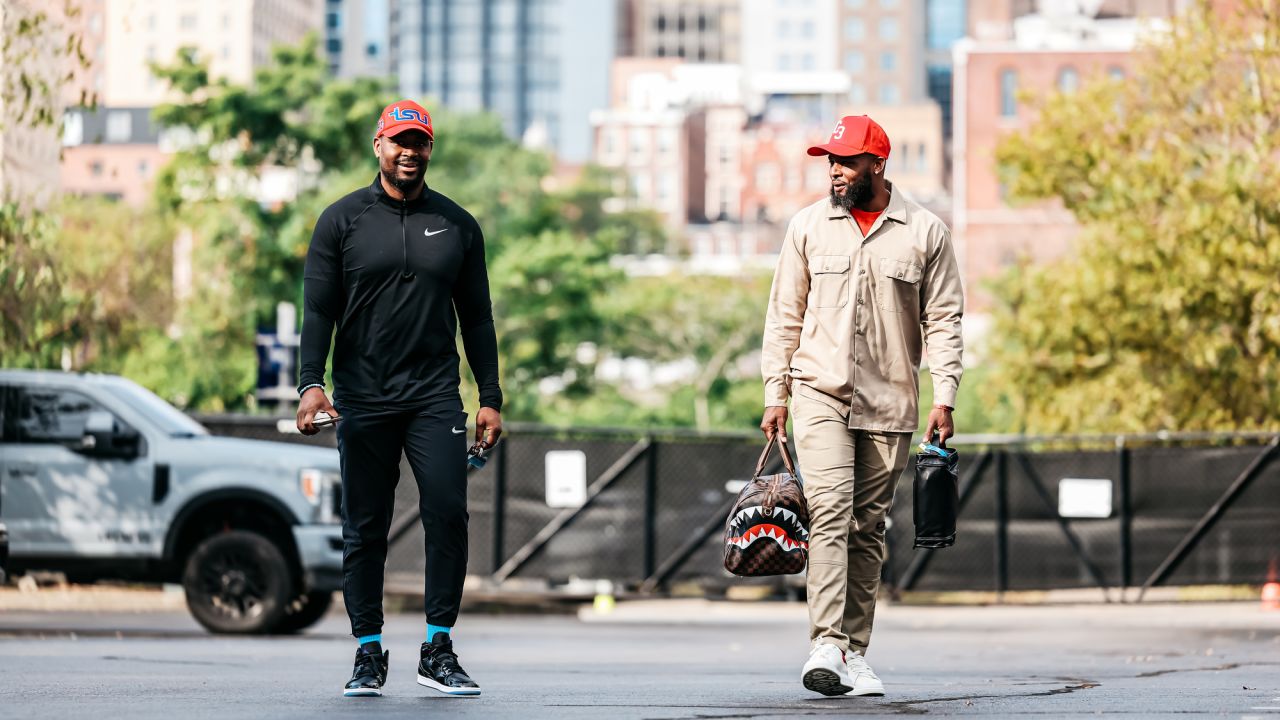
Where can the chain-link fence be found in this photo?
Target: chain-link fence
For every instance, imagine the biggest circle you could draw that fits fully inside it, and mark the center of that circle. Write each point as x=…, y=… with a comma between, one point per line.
x=1176, y=510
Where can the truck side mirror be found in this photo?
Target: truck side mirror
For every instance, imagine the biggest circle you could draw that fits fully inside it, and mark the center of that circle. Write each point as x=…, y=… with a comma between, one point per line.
x=104, y=439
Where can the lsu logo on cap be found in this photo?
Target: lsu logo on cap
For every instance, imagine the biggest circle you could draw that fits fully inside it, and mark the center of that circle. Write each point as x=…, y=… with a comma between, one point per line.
x=405, y=115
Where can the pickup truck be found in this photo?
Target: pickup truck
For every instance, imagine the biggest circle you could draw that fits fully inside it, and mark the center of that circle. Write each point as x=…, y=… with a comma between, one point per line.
x=102, y=479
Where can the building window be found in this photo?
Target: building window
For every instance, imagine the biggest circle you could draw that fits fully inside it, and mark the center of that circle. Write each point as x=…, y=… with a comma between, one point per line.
x=857, y=93
x=854, y=4
x=784, y=63
x=95, y=168
x=334, y=45
x=888, y=61
x=1068, y=79
x=1008, y=93
x=944, y=23
x=767, y=177
x=889, y=94
x=334, y=20
x=854, y=61
x=922, y=160
x=371, y=50
x=119, y=126
x=806, y=61
x=72, y=128
x=888, y=3
x=888, y=28
x=661, y=23
x=143, y=167
x=806, y=30
x=1115, y=72
x=784, y=29
x=187, y=21
x=854, y=29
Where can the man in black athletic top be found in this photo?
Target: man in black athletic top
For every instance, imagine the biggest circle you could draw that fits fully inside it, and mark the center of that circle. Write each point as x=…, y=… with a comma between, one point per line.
x=397, y=268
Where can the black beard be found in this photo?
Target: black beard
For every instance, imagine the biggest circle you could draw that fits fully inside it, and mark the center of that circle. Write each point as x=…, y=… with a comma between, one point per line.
x=406, y=185
x=855, y=194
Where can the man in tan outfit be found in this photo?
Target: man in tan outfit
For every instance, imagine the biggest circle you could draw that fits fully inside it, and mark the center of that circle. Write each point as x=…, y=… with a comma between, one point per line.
x=865, y=280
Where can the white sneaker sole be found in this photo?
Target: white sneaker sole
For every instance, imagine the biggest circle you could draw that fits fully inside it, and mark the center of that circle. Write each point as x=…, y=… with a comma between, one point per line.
x=362, y=692
x=826, y=682
x=867, y=692
x=428, y=682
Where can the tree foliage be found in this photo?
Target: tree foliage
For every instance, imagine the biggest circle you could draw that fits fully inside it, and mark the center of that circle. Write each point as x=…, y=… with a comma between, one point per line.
x=1167, y=316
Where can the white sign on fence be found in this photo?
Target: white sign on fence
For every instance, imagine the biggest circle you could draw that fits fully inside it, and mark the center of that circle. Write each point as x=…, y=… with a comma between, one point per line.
x=566, y=472
x=1084, y=498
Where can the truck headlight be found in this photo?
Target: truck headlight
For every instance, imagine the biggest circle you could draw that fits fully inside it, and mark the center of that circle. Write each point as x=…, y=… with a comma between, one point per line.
x=323, y=489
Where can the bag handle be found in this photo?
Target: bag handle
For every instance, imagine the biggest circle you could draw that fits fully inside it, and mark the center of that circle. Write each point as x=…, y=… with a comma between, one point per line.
x=786, y=457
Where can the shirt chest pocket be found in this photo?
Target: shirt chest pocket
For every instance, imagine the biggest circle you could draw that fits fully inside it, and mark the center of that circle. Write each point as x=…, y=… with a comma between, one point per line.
x=899, y=285
x=829, y=281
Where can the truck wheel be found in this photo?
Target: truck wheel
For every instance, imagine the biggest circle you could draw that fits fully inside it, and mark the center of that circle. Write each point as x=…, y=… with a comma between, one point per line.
x=305, y=610
x=237, y=582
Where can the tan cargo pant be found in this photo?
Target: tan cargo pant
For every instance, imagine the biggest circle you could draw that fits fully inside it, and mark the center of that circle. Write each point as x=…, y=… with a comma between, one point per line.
x=849, y=480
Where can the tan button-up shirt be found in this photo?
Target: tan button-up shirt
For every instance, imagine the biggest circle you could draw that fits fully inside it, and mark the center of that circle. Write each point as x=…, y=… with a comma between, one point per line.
x=849, y=316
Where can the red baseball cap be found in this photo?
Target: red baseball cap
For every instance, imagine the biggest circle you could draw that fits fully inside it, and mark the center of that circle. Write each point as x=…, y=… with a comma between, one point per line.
x=856, y=134
x=404, y=115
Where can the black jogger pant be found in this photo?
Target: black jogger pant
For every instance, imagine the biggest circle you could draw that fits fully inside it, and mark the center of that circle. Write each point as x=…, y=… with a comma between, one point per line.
x=369, y=443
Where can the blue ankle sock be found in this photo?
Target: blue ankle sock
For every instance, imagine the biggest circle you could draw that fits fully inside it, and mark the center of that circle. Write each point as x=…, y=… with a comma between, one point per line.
x=376, y=640
x=433, y=629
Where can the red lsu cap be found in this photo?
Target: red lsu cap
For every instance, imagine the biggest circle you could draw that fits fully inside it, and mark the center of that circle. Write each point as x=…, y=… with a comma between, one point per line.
x=404, y=115
x=856, y=134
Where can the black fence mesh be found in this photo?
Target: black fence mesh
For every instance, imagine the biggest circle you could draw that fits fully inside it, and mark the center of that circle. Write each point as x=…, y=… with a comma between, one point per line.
x=688, y=482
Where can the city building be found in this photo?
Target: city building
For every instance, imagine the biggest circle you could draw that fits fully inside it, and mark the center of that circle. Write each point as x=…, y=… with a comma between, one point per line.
x=945, y=23
x=235, y=38
x=792, y=68
x=1041, y=51
x=693, y=30
x=674, y=131
x=542, y=66
x=358, y=41
x=881, y=47
x=113, y=148
x=111, y=152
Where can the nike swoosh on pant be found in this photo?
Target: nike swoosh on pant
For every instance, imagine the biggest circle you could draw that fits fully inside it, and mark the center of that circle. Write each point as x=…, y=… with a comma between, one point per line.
x=456, y=431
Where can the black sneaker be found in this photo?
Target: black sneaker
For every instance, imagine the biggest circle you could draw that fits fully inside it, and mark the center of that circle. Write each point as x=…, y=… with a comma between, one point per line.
x=369, y=675
x=440, y=670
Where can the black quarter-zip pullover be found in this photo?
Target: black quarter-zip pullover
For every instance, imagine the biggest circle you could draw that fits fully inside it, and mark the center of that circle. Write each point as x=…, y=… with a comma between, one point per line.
x=397, y=278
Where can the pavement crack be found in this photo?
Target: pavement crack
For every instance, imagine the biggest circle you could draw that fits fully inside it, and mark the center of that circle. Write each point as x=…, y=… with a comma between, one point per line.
x=1082, y=685
x=1214, y=668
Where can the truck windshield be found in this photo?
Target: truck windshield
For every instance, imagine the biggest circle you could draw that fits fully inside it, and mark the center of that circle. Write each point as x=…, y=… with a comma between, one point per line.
x=165, y=416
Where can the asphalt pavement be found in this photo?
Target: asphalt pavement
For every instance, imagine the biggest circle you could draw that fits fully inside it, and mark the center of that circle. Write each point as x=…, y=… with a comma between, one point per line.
x=660, y=659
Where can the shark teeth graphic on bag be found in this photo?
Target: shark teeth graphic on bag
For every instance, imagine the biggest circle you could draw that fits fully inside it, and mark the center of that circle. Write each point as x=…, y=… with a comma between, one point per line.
x=781, y=526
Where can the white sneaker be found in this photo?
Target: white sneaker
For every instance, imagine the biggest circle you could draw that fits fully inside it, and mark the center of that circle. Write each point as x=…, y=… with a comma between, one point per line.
x=826, y=671
x=864, y=679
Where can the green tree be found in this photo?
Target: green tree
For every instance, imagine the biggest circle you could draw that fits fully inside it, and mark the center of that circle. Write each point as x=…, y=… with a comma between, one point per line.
x=1168, y=313
x=80, y=287
x=712, y=321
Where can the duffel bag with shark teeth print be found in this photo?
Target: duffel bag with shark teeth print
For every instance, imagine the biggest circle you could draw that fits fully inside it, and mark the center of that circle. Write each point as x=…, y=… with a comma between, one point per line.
x=767, y=532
